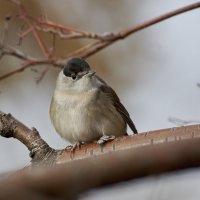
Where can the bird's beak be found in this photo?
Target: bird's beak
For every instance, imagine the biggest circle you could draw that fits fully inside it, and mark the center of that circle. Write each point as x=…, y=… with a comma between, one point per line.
x=90, y=73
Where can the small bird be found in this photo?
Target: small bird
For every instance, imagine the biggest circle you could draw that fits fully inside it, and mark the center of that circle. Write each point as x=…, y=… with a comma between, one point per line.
x=84, y=108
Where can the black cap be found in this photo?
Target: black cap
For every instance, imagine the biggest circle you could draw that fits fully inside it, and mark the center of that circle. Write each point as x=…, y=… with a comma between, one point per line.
x=74, y=66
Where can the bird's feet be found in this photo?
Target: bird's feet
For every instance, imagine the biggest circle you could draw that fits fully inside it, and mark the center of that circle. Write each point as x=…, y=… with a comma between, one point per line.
x=73, y=147
x=105, y=138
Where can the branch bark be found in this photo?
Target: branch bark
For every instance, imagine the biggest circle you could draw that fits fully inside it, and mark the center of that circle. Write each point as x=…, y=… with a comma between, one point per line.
x=40, y=151
x=123, y=159
x=68, y=180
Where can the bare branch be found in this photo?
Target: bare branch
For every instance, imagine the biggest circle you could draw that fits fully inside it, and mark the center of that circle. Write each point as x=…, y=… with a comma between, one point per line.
x=123, y=159
x=29, y=64
x=125, y=33
x=44, y=25
x=39, y=79
x=64, y=32
x=10, y=127
x=69, y=179
x=182, y=122
x=11, y=51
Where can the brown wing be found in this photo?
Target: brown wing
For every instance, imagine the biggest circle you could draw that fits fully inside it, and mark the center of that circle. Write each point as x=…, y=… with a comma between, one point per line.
x=118, y=105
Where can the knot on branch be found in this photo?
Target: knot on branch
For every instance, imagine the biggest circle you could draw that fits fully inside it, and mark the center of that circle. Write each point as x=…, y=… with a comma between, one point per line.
x=7, y=125
x=40, y=150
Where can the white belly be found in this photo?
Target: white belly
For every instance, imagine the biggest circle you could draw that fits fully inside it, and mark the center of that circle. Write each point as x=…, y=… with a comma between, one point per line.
x=83, y=118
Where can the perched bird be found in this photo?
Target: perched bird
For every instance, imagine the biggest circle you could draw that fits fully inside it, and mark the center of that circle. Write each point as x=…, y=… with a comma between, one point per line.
x=84, y=108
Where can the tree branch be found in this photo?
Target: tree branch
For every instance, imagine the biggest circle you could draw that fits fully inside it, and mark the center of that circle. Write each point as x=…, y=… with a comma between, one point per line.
x=181, y=122
x=69, y=179
x=123, y=159
x=103, y=40
x=40, y=150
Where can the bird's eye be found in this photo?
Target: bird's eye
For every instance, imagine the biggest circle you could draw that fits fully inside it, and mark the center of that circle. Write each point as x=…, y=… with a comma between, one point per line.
x=73, y=76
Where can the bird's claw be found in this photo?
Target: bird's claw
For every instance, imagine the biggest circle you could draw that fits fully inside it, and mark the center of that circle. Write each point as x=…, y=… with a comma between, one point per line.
x=72, y=148
x=105, y=138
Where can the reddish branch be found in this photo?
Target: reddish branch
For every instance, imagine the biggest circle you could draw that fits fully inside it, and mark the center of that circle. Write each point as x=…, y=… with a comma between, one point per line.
x=40, y=151
x=129, y=157
x=67, y=181
x=34, y=26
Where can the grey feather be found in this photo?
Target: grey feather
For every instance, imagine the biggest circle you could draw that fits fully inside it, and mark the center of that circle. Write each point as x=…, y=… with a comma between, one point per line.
x=117, y=104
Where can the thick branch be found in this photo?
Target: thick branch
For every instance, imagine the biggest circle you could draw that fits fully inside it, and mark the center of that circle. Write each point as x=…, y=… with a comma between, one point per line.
x=129, y=157
x=10, y=127
x=70, y=179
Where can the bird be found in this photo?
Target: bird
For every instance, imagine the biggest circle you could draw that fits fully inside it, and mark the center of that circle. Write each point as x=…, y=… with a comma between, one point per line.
x=84, y=108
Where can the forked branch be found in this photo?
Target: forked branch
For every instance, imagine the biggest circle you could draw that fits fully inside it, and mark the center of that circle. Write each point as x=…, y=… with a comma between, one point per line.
x=123, y=159
x=37, y=25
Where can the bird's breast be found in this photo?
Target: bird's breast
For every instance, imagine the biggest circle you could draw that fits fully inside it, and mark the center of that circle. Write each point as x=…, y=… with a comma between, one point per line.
x=86, y=116
x=71, y=113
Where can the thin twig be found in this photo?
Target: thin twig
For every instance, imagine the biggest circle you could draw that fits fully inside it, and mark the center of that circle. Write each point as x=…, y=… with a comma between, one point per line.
x=12, y=51
x=124, y=33
x=34, y=31
x=62, y=31
x=39, y=79
x=181, y=122
x=28, y=65
x=103, y=40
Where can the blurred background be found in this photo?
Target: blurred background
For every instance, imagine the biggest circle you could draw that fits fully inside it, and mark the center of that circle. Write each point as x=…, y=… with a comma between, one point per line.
x=155, y=73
